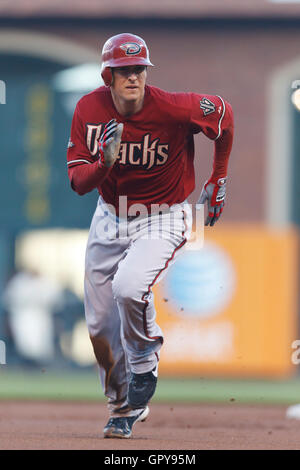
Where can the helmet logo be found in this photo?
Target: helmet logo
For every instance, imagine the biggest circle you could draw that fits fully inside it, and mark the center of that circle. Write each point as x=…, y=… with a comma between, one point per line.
x=131, y=48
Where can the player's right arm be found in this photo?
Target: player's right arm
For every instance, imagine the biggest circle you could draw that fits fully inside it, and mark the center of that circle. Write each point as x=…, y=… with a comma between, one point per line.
x=84, y=172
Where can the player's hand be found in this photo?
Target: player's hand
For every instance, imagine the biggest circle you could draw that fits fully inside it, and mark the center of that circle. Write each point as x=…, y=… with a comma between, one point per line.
x=109, y=143
x=214, y=193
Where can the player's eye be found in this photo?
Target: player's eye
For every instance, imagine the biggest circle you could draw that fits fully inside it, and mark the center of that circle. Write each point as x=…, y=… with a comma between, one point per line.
x=127, y=71
x=139, y=69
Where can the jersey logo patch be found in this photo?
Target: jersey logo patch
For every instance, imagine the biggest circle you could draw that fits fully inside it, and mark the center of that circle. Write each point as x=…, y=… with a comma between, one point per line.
x=207, y=106
x=131, y=48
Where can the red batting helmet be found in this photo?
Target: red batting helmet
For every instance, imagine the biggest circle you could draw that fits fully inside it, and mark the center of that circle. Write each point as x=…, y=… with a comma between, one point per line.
x=121, y=50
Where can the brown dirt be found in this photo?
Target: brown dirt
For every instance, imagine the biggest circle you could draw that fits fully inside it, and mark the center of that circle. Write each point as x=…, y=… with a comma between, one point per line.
x=51, y=425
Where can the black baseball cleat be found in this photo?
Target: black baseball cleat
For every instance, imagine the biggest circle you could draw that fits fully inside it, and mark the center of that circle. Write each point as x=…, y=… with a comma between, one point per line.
x=121, y=428
x=141, y=389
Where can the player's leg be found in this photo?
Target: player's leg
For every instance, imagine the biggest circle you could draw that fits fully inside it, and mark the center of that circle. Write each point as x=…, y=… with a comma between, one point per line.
x=147, y=260
x=103, y=322
x=132, y=288
x=103, y=254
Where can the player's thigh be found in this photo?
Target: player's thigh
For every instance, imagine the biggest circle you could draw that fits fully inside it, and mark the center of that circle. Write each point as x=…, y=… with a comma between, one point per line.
x=104, y=249
x=103, y=254
x=145, y=264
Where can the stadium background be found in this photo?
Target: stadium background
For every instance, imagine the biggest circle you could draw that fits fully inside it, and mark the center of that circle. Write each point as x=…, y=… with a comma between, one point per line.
x=235, y=338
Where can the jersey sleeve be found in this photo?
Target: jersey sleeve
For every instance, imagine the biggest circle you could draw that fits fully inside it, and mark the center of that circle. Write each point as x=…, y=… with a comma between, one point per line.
x=210, y=114
x=85, y=174
x=77, y=152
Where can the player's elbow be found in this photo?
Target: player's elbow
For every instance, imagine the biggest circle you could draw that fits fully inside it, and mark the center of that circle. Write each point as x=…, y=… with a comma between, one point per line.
x=78, y=190
x=75, y=183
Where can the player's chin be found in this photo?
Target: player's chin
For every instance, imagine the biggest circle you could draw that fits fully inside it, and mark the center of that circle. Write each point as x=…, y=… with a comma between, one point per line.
x=132, y=93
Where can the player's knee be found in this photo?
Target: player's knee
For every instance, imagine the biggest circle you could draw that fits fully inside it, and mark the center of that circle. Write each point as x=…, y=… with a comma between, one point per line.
x=94, y=327
x=120, y=292
x=126, y=289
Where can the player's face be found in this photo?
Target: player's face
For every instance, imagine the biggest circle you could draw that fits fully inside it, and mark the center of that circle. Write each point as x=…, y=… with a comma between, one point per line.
x=129, y=82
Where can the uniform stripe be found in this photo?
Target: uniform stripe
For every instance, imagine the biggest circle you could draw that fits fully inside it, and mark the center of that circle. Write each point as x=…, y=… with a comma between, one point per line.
x=78, y=161
x=184, y=223
x=148, y=292
x=151, y=285
x=221, y=118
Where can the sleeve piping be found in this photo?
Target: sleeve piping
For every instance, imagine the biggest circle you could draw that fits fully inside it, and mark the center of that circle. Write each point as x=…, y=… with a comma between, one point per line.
x=78, y=161
x=221, y=118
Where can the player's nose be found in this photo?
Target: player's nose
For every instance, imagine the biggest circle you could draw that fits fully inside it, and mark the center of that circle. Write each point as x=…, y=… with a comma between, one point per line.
x=132, y=75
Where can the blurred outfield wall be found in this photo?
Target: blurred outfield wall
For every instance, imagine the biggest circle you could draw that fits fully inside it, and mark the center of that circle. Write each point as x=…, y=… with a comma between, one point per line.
x=231, y=308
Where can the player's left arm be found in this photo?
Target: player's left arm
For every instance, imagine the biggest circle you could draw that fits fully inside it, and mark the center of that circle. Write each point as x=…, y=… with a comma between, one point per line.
x=214, y=117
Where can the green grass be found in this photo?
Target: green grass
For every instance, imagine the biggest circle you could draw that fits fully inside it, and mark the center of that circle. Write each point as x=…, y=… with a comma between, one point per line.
x=49, y=385
x=225, y=390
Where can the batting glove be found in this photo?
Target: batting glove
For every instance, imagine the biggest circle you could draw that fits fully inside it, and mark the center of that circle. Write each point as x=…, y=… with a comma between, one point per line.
x=109, y=143
x=214, y=193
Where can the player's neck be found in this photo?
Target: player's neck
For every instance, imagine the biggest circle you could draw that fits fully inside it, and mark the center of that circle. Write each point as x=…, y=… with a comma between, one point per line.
x=127, y=108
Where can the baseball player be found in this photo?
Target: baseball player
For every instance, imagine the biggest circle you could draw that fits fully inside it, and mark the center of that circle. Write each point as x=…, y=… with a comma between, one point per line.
x=134, y=144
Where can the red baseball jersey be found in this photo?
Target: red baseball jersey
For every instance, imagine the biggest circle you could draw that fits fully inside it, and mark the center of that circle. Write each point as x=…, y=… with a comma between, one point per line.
x=156, y=159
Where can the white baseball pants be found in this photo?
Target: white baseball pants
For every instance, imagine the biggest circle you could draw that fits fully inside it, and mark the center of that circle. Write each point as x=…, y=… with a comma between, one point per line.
x=124, y=259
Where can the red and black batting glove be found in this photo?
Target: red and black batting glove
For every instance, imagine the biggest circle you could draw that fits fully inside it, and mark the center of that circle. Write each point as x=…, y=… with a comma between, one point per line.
x=214, y=193
x=105, y=139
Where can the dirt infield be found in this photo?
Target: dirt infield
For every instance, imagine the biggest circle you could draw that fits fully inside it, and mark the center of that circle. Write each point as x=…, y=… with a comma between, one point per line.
x=59, y=425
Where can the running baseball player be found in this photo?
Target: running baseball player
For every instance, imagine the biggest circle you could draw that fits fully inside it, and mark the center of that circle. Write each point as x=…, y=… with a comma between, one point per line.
x=134, y=144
